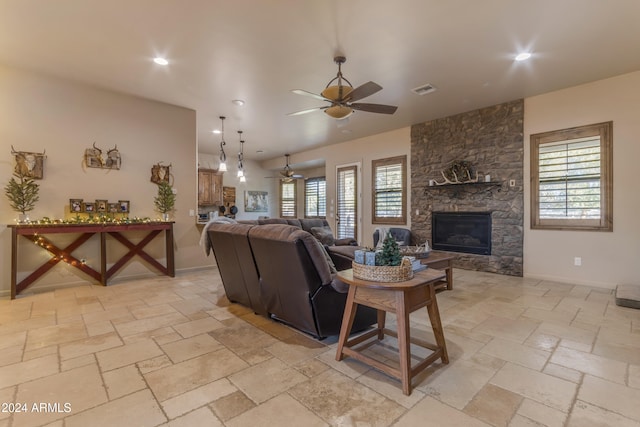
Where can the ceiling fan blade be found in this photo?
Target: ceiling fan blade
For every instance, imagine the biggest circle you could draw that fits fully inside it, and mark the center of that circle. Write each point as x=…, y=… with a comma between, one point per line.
x=312, y=95
x=363, y=91
x=297, y=176
x=374, y=108
x=310, y=110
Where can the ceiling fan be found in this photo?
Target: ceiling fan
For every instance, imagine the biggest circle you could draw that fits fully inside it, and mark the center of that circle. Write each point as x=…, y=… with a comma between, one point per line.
x=287, y=174
x=343, y=97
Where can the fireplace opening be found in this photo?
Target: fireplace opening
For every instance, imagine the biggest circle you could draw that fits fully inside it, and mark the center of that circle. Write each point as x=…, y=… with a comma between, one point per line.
x=468, y=232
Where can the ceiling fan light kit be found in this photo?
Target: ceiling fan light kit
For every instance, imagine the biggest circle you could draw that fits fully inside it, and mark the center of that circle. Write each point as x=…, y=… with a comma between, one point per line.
x=342, y=97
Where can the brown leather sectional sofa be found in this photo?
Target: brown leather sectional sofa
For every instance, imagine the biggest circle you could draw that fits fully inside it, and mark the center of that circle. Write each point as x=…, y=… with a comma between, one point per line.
x=282, y=271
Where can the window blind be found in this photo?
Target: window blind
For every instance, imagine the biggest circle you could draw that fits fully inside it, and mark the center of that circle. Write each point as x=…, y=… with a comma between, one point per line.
x=288, y=199
x=315, y=194
x=570, y=179
x=347, y=207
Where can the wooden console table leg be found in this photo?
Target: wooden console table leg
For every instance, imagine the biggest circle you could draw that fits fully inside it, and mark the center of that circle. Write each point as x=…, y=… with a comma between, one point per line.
x=168, y=235
x=382, y=321
x=103, y=258
x=14, y=261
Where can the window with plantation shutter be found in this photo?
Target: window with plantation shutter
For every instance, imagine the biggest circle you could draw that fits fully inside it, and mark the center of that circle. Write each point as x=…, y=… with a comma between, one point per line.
x=288, y=200
x=571, y=173
x=389, y=188
x=315, y=198
x=347, y=202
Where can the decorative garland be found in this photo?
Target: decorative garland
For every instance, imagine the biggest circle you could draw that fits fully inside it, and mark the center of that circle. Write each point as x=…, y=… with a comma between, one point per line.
x=91, y=219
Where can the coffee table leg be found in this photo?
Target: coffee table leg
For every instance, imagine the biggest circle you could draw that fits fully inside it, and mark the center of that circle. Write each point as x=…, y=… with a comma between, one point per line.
x=347, y=321
x=382, y=320
x=436, y=324
x=402, y=316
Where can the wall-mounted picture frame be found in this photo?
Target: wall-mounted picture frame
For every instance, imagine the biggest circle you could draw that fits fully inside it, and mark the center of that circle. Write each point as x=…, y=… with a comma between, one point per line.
x=124, y=206
x=101, y=205
x=75, y=205
x=113, y=207
x=256, y=201
x=89, y=207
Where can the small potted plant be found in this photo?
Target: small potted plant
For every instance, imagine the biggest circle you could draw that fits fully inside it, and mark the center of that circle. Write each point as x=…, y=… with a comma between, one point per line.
x=165, y=200
x=22, y=195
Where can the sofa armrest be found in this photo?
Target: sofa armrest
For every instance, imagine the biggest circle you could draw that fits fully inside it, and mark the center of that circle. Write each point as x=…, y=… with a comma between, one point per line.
x=346, y=241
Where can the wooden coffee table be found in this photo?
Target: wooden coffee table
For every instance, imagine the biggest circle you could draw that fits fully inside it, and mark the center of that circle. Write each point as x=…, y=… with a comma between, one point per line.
x=441, y=261
x=401, y=298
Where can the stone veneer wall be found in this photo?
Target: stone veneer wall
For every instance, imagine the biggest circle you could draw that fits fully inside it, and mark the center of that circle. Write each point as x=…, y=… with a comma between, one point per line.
x=492, y=140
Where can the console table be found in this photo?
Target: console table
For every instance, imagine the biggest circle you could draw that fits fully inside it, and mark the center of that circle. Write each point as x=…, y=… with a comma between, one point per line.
x=36, y=233
x=401, y=298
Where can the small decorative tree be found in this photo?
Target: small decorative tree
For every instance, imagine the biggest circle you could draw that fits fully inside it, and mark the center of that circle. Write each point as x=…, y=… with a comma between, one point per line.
x=390, y=254
x=165, y=200
x=22, y=194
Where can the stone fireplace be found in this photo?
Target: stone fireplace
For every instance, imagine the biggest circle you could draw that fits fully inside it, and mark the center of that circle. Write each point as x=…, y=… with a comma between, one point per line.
x=491, y=139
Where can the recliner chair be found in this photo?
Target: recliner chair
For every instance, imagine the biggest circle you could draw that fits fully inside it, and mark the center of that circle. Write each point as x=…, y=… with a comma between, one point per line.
x=399, y=234
x=297, y=286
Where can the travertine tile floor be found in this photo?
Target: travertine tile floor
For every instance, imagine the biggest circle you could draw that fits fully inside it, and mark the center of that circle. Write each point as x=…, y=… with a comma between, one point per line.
x=175, y=352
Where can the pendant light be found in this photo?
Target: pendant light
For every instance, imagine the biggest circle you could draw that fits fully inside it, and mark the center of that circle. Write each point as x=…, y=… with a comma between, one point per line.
x=241, y=159
x=223, y=156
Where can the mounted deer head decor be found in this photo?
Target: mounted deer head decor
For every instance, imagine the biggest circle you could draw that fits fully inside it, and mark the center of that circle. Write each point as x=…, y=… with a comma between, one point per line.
x=95, y=158
x=160, y=172
x=28, y=165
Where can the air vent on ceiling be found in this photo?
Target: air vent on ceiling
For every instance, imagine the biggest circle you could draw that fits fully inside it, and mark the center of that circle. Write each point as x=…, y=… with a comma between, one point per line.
x=424, y=89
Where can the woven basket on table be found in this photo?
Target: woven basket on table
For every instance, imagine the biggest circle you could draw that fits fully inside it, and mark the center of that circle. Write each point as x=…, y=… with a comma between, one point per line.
x=383, y=273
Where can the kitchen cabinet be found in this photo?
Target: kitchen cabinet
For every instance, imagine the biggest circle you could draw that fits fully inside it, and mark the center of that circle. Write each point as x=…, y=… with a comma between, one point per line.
x=209, y=187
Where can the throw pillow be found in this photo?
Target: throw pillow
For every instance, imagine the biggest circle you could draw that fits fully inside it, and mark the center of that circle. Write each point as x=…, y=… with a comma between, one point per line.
x=324, y=234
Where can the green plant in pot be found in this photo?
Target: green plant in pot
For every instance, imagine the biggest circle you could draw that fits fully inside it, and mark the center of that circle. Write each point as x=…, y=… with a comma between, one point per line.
x=165, y=200
x=22, y=195
x=390, y=254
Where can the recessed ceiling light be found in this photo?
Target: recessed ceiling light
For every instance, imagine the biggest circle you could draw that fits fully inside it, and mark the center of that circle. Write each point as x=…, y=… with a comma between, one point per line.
x=160, y=61
x=217, y=131
x=238, y=102
x=259, y=151
x=523, y=56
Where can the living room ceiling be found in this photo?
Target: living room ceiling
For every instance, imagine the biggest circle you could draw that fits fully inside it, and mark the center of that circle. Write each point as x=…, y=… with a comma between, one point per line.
x=258, y=51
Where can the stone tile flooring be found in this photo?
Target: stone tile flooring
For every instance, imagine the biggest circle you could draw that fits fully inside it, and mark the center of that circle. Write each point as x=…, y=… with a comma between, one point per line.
x=175, y=352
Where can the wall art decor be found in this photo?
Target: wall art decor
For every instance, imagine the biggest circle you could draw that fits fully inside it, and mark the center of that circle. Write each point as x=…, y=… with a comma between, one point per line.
x=96, y=158
x=160, y=173
x=113, y=207
x=29, y=165
x=256, y=201
x=89, y=207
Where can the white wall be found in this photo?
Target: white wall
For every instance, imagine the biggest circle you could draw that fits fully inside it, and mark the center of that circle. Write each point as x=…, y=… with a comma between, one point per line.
x=40, y=112
x=608, y=258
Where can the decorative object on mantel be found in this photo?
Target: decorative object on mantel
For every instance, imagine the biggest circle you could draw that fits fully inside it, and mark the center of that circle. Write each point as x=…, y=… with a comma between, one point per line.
x=460, y=172
x=29, y=165
x=94, y=158
x=165, y=200
x=160, y=173
x=22, y=195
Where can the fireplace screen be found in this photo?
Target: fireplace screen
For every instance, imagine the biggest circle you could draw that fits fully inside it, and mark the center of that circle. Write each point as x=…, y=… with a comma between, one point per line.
x=468, y=232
